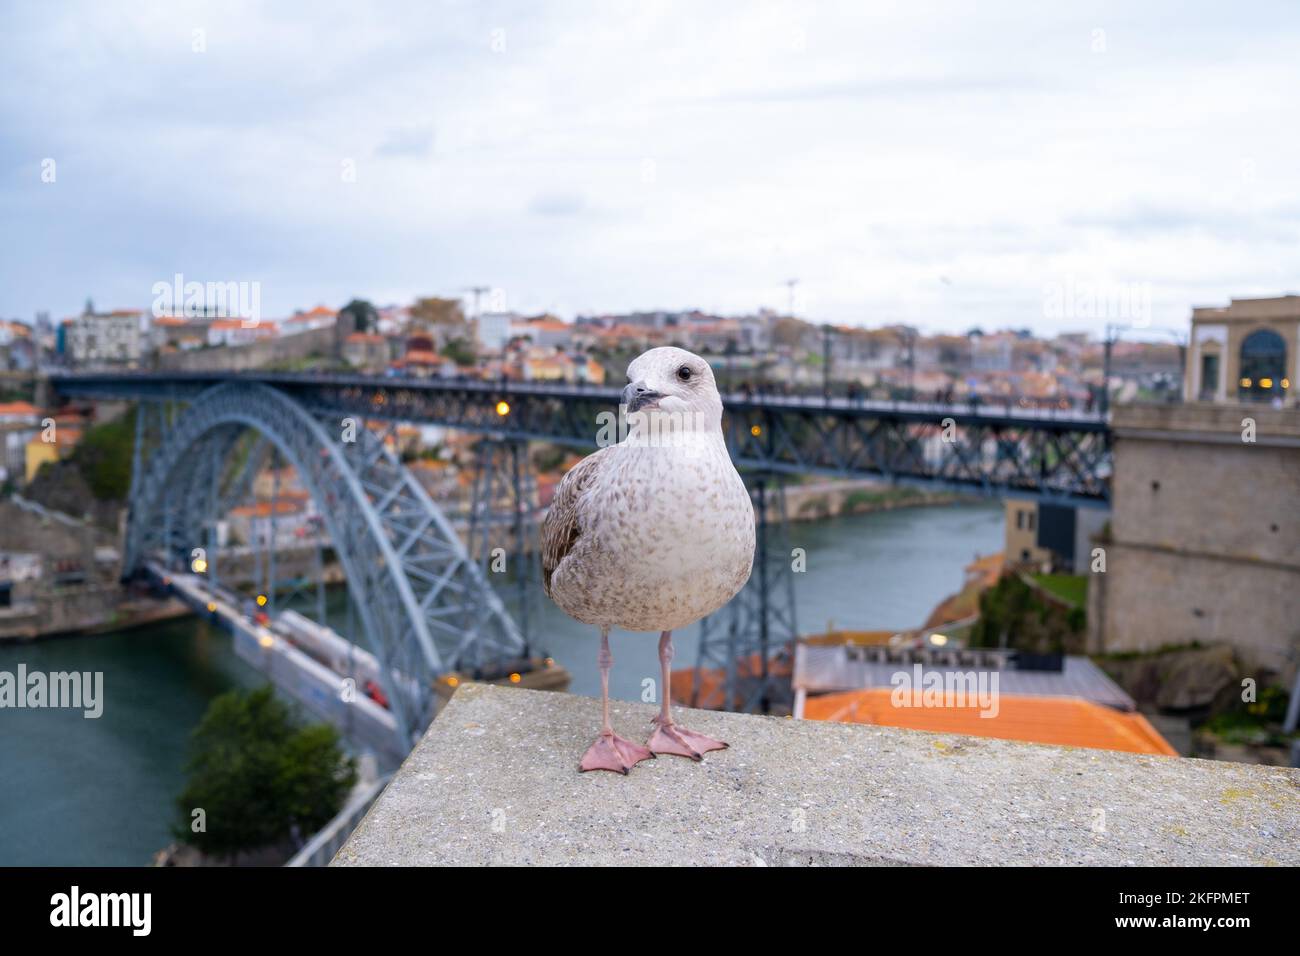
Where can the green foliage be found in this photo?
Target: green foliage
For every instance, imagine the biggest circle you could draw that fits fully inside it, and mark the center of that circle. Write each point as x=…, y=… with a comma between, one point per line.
x=103, y=457
x=257, y=775
x=365, y=316
x=459, y=351
x=1071, y=588
x=1258, y=722
x=1016, y=615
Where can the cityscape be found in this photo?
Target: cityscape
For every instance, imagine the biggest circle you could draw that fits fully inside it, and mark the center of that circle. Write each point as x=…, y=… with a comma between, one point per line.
x=279, y=527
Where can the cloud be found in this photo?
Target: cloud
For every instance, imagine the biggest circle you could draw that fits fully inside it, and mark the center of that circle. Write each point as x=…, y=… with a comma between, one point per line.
x=413, y=141
x=599, y=158
x=557, y=205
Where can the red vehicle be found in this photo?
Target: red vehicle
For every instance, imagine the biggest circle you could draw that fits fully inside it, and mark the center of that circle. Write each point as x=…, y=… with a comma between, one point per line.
x=376, y=693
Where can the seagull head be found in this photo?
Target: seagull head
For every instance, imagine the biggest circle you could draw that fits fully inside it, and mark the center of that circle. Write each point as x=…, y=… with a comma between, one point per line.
x=675, y=381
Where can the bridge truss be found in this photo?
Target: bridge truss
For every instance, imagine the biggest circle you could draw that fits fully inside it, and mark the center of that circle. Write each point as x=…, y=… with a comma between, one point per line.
x=1063, y=457
x=425, y=607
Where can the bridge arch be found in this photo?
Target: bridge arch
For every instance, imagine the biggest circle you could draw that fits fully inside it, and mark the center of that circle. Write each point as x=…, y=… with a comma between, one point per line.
x=425, y=607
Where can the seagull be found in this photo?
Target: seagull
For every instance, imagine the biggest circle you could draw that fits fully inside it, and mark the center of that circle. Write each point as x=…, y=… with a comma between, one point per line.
x=651, y=534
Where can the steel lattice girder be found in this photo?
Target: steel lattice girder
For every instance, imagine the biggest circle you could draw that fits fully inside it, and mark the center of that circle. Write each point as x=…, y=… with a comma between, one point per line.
x=759, y=623
x=1063, y=457
x=425, y=607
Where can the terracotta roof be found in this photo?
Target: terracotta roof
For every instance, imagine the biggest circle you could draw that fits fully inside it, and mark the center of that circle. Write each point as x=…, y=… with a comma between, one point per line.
x=1066, y=721
x=262, y=509
x=220, y=324
x=320, y=312
x=420, y=357
x=18, y=408
x=546, y=325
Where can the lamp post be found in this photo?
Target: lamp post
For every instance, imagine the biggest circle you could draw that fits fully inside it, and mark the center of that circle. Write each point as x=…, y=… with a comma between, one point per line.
x=826, y=363
x=1112, y=336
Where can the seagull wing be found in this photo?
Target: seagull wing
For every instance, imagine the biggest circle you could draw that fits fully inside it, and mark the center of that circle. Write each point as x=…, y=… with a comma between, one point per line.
x=563, y=525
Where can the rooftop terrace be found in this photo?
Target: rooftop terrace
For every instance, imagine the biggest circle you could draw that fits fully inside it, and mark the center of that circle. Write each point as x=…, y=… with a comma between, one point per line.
x=495, y=781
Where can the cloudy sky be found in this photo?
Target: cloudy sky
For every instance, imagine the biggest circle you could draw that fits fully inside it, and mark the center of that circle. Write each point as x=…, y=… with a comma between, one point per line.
x=947, y=165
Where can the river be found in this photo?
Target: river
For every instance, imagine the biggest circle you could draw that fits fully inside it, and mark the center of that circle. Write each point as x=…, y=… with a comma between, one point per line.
x=101, y=792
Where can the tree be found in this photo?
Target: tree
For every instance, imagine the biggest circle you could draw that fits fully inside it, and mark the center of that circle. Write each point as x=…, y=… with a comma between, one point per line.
x=435, y=311
x=258, y=777
x=459, y=351
x=104, y=455
x=364, y=316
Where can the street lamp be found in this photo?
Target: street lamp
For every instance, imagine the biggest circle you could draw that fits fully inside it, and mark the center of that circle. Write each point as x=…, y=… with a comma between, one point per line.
x=1112, y=336
x=826, y=362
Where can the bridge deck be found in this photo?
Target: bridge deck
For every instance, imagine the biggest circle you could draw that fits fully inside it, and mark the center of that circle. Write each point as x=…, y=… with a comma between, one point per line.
x=1057, y=454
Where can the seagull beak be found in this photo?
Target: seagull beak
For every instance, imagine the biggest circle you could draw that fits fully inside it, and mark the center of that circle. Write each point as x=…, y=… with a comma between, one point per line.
x=639, y=395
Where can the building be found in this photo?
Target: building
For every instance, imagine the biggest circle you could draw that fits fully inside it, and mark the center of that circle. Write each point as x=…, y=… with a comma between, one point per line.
x=233, y=332
x=1050, y=536
x=1204, y=545
x=545, y=331
x=38, y=451
x=1021, y=536
x=493, y=329
x=260, y=524
x=20, y=422
x=423, y=363
x=180, y=333
x=1248, y=350
x=1062, y=721
x=95, y=338
x=366, y=350
x=317, y=318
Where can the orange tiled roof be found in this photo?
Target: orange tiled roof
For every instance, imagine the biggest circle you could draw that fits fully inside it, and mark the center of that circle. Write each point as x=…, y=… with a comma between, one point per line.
x=855, y=638
x=256, y=326
x=317, y=313
x=1067, y=721
x=17, y=408
x=419, y=357
x=547, y=325
x=262, y=509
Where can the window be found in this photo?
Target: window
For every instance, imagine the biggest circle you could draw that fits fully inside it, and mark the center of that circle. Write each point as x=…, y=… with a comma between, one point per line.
x=1263, y=365
x=1209, y=377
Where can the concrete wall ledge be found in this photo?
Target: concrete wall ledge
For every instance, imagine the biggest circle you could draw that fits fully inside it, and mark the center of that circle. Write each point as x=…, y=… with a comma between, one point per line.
x=495, y=781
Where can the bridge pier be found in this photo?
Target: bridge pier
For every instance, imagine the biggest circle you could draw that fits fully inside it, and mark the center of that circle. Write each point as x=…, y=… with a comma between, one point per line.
x=503, y=526
x=751, y=640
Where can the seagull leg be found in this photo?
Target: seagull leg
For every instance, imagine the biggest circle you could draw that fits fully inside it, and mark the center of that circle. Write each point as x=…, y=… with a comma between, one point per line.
x=610, y=751
x=668, y=737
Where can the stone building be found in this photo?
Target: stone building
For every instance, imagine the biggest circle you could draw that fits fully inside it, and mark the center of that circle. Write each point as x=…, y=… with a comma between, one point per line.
x=97, y=338
x=1205, y=536
x=1246, y=351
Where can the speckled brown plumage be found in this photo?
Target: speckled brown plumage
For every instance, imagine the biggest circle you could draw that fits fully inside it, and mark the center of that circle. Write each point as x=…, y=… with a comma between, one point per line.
x=653, y=534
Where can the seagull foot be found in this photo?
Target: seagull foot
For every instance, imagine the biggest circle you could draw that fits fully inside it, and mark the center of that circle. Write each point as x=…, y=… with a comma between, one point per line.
x=672, y=739
x=612, y=752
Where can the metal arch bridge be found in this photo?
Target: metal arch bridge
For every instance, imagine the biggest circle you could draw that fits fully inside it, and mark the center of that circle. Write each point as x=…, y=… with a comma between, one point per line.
x=1057, y=456
x=425, y=606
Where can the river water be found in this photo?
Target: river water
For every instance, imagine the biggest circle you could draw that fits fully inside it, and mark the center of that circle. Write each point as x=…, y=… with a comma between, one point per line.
x=98, y=792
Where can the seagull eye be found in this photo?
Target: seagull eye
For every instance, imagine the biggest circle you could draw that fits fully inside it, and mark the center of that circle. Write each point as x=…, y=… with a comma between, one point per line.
x=684, y=373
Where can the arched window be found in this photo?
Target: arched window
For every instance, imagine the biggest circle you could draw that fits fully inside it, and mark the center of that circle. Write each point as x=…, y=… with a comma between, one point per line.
x=1263, y=365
